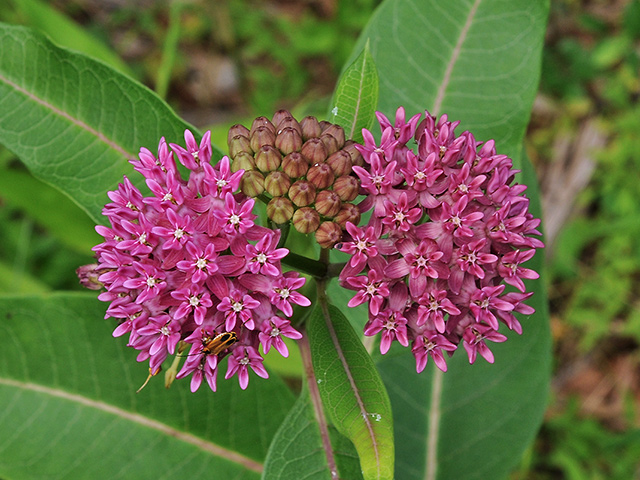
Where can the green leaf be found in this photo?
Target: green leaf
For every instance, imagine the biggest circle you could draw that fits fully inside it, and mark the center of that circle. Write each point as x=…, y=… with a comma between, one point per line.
x=477, y=61
x=474, y=421
x=296, y=451
x=354, y=102
x=49, y=208
x=74, y=121
x=352, y=392
x=19, y=281
x=70, y=409
x=66, y=33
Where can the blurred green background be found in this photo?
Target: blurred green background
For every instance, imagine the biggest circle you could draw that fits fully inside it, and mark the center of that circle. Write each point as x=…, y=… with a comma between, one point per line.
x=224, y=62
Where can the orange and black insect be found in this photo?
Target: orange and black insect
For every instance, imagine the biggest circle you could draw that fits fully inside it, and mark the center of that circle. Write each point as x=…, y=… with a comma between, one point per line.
x=219, y=343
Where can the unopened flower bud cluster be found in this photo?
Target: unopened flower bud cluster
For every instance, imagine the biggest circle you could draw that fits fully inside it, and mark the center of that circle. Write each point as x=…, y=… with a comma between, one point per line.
x=302, y=169
x=449, y=230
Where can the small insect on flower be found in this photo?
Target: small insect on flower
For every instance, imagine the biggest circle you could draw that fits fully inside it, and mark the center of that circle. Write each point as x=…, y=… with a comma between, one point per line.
x=219, y=343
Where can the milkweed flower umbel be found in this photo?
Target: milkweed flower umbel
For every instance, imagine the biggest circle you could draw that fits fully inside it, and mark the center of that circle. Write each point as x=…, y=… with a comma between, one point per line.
x=448, y=230
x=187, y=271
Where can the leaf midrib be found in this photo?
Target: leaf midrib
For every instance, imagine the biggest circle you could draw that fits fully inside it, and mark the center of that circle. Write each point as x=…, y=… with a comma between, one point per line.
x=61, y=113
x=141, y=420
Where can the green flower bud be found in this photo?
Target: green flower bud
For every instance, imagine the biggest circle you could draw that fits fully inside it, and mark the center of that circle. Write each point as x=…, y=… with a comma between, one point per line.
x=288, y=141
x=346, y=187
x=295, y=165
x=324, y=125
x=242, y=161
x=330, y=143
x=277, y=183
x=340, y=163
x=280, y=210
x=261, y=137
x=237, y=130
x=321, y=175
x=262, y=122
x=252, y=183
x=302, y=193
x=268, y=158
x=306, y=220
x=310, y=128
x=289, y=122
x=328, y=203
x=348, y=213
x=356, y=156
x=328, y=234
x=314, y=151
x=337, y=132
x=279, y=116
x=239, y=144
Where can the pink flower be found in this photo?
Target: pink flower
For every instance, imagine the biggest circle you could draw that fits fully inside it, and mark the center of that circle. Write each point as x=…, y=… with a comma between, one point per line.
x=177, y=234
x=235, y=219
x=402, y=130
x=201, y=263
x=475, y=337
x=239, y=363
x=431, y=345
x=432, y=308
x=189, y=269
x=448, y=230
x=511, y=270
x=371, y=288
x=263, y=257
x=221, y=181
x=194, y=300
x=237, y=306
x=361, y=248
x=272, y=331
x=283, y=293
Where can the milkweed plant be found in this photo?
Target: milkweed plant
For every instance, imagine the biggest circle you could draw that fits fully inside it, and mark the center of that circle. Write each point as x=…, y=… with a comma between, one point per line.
x=365, y=248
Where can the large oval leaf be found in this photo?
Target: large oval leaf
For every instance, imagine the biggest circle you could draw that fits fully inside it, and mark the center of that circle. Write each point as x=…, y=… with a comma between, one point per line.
x=297, y=450
x=474, y=421
x=478, y=61
x=74, y=121
x=353, y=394
x=70, y=409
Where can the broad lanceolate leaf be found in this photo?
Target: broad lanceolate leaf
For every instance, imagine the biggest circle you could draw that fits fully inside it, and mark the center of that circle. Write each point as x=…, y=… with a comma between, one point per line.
x=70, y=410
x=352, y=392
x=356, y=96
x=296, y=452
x=74, y=121
x=478, y=61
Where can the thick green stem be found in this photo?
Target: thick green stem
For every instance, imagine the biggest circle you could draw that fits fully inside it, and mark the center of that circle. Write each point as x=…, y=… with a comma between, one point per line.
x=320, y=268
x=306, y=265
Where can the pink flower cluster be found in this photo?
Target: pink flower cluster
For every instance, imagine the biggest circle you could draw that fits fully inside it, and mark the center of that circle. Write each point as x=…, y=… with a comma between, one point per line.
x=188, y=266
x=449, y=229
